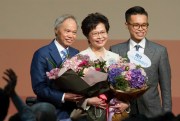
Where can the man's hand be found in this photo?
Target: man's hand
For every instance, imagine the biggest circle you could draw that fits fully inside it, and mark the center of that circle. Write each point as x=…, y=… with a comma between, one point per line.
x=11, y=80
x=72, y=97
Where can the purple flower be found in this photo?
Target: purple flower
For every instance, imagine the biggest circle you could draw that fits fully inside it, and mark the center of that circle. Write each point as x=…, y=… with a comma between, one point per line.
x=125, y=76
x=137, y=79
x=113, y=73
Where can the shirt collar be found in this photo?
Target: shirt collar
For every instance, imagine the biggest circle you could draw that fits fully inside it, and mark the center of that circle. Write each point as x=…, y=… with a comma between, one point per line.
x=141, y=43
x=59, y=46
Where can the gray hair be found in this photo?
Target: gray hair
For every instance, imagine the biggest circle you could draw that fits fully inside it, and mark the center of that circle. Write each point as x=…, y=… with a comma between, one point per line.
x=62, y=18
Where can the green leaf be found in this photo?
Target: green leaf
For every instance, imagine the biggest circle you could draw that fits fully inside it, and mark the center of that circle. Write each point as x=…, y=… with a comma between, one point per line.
x=51, y=62
x=121, y=83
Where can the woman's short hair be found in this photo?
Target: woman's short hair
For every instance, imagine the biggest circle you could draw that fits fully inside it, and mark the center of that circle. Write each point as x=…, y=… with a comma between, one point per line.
x=92, y=20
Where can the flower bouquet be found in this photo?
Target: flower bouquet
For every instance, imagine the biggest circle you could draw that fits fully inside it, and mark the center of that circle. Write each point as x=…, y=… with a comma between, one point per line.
x=81, y=75
x=127, y=82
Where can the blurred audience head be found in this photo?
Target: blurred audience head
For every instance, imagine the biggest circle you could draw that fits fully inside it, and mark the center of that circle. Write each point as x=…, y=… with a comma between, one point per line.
x=44, y=112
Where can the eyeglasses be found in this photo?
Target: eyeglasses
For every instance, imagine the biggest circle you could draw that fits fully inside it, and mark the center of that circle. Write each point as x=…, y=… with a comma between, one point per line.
x=137, y=26
x=96, y=34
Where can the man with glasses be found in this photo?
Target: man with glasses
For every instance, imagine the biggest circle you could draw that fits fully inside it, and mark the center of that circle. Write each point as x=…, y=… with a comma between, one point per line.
x=150, y=103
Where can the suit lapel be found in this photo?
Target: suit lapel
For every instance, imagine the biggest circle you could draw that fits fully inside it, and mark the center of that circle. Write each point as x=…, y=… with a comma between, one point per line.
x=55, y=54
x=125, y=49
x=70, y=52
x=149, y=51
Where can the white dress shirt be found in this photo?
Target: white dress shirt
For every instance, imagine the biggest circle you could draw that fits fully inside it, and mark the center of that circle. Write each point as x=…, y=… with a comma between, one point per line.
x=132, y=44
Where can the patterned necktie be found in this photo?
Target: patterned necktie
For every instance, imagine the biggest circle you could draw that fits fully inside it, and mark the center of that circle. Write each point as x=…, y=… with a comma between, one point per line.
x=64, y=54
x=137, y=47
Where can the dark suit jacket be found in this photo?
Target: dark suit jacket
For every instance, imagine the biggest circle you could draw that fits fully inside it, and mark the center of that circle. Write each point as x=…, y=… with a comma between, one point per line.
x=159, y=72
x=41, y=85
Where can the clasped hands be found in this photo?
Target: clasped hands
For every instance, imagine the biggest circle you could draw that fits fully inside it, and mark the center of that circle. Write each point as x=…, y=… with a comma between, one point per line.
x=95, y=101
x=118, y=105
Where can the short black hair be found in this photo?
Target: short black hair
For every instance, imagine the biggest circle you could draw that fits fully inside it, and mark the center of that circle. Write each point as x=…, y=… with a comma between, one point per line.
x=92, y=20
x=134, y=11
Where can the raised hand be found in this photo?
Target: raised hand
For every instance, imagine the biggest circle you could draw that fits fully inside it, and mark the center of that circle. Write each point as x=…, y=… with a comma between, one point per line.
x=11, y=80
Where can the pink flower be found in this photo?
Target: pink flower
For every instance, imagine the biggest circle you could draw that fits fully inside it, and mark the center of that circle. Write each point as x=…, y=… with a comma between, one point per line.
x=53, y=74
x=83, y=63
x=98, y=69
x=128, y=75
x=78, y=64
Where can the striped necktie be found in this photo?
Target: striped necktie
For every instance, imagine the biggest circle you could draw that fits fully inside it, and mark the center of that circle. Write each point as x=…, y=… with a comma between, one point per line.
x=64, y=54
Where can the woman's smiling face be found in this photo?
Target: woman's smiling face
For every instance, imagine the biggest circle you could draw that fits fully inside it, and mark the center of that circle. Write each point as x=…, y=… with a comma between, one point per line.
x=98, y=36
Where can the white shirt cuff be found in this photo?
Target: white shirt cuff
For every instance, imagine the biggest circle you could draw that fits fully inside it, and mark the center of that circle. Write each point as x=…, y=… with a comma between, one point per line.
x=84, y=105
x=62, y=100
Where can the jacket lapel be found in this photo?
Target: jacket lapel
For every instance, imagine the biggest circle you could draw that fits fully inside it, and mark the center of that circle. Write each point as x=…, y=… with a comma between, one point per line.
x=126, y=49
x=71, y=53
x=149, y=51
x=55, y=54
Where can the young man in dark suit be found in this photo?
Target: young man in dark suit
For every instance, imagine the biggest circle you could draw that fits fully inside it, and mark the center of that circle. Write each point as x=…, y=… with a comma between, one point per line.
x=159, y=73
